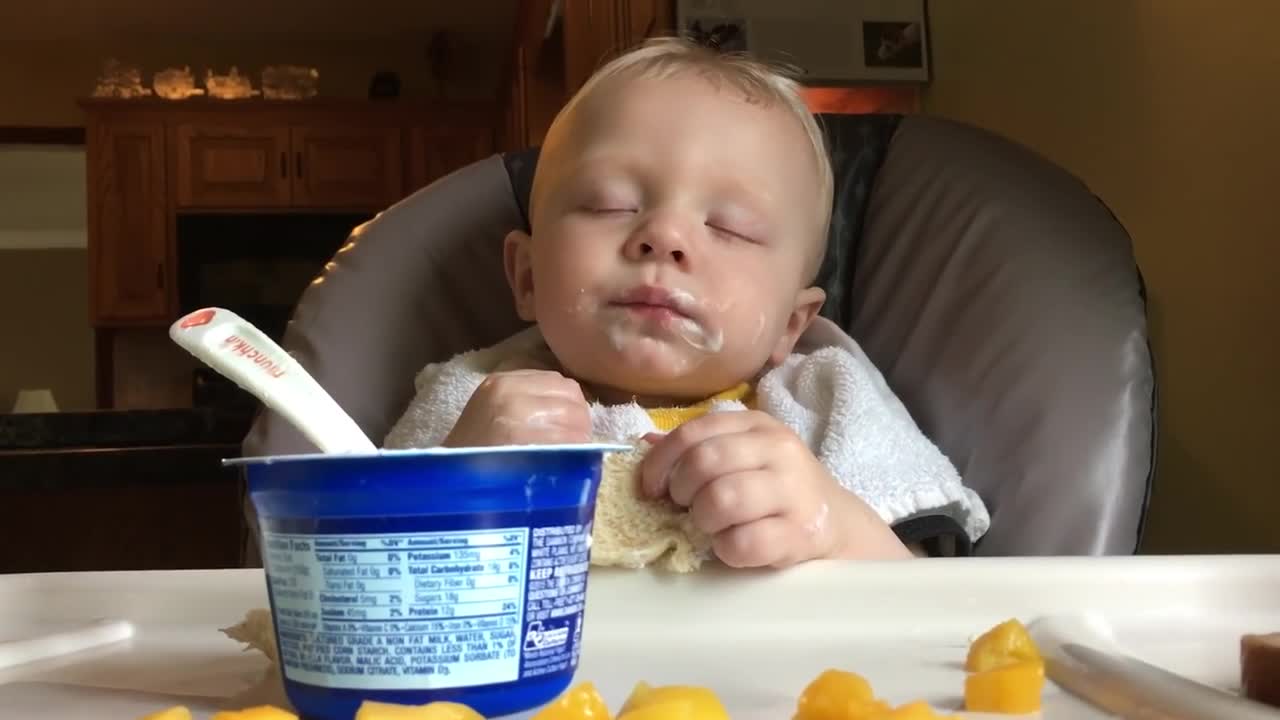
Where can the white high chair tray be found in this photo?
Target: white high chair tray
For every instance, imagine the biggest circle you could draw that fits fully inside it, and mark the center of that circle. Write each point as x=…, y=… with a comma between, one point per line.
x=755, y=638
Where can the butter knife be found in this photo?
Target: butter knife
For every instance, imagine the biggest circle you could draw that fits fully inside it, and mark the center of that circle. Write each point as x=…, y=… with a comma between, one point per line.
x=1082, y=658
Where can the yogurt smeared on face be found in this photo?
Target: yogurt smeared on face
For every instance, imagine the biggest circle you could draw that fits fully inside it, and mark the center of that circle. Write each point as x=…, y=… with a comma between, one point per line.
x=699, y=337
x=676, y=311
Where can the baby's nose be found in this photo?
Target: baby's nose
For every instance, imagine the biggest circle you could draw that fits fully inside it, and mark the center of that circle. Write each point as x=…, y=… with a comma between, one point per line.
x=647, y=248
x=659, y=240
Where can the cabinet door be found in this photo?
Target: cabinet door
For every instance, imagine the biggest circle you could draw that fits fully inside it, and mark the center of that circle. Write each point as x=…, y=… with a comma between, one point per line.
x=346, y=167
x=232, y=166
x=595, y=29
x=129, y=274
x=437, y=151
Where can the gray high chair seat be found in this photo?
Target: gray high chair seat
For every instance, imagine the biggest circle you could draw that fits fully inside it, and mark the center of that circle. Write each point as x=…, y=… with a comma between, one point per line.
x=997, y=294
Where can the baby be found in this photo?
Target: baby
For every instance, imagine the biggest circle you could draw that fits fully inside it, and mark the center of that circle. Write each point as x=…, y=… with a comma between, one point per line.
x=679, y=215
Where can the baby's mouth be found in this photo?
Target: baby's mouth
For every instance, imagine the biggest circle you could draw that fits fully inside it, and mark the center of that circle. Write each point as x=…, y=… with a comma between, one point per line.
x=675, y=311
x=657, y=313
x=657, y=302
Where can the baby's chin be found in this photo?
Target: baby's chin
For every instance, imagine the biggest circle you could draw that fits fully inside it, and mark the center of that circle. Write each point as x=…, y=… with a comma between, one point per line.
x=645, y=367
x=655, y=357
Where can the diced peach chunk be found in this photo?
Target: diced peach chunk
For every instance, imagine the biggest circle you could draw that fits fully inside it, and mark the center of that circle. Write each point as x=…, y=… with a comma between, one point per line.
x=837, y=695
x=1012, y=688
x=581, y=702
x=259, y=712
x=672, y=702
x=370, y=710
x=177, y=712
x=1005, y=643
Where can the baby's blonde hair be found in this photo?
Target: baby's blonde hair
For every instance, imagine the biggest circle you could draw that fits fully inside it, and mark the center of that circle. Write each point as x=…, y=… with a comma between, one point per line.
x=757, y=80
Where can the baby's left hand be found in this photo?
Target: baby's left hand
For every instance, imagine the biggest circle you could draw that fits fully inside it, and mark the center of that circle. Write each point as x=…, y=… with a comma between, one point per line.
x=752, y=485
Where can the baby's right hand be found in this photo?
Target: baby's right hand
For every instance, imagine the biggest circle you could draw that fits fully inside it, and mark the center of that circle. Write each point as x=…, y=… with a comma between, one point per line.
x=523, y=407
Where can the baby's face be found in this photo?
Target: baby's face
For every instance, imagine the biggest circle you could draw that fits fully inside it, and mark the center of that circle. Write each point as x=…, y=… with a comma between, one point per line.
x=674, y=229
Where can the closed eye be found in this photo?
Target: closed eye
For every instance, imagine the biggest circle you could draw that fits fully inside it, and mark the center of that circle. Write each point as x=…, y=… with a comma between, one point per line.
x=726, y=232
x=608, y=210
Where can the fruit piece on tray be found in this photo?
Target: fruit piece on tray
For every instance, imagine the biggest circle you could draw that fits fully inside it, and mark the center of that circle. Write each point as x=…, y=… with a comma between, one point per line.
x=1006, y=671
x=1260, y=667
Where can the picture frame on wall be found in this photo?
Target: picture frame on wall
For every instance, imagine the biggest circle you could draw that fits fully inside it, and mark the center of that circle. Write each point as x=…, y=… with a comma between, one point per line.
x=841, y=42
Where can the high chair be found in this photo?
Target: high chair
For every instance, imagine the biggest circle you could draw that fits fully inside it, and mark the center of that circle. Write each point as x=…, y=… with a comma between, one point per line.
x=998, y=296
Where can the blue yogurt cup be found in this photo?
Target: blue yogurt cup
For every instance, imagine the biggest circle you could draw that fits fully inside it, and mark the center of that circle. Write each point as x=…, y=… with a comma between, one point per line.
x=411, y=576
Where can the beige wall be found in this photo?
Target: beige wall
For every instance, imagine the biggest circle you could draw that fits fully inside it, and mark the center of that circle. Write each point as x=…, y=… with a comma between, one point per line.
x=46, y=342
x=44, y=306
x=1171, y=112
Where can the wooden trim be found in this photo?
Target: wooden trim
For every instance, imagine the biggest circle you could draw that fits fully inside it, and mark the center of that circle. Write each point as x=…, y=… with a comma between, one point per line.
x=528, y=35
x=31, y=135
x=104, y=350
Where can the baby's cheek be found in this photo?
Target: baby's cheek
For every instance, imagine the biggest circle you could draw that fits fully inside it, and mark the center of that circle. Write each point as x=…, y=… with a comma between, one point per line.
x=562, y=303
x=762, y=321
x=752, y=327
x=581, y=304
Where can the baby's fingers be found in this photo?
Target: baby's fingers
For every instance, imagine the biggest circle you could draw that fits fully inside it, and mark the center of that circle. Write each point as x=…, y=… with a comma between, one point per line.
x=736, y=499
x=537, y=383
x=698, y=451
x=543, y=420
x=768, y=542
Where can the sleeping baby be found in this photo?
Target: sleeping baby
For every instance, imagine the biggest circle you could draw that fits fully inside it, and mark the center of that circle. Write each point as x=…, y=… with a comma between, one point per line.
x=679, y=215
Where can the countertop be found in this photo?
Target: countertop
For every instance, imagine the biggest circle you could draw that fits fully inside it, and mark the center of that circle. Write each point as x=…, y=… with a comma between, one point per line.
x=131, y=490
x=122, y=429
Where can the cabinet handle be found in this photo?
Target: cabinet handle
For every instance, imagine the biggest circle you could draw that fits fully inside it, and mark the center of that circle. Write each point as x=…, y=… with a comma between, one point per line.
x=298, y=162
x=159, y=276
x=284, y=165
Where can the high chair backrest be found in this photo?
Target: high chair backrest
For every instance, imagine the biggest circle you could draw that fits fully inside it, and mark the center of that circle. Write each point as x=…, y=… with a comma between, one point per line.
x=999, y=297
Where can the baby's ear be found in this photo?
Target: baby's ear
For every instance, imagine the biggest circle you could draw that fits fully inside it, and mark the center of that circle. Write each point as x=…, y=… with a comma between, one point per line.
x=518, y=261
x=808, y=303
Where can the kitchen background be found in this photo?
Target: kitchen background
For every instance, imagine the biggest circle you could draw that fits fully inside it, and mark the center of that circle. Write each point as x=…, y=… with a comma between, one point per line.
x=1167, y=110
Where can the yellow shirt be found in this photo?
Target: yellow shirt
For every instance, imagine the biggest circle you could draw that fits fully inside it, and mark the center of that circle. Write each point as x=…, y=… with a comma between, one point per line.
x=670, y=418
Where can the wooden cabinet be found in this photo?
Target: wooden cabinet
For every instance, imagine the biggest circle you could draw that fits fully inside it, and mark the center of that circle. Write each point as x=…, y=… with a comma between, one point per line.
x=336, y=166
x=129, y=275
x=150, y=161
x=552, y=57
x=437, y=150
x=595, y=30
x=223, y=165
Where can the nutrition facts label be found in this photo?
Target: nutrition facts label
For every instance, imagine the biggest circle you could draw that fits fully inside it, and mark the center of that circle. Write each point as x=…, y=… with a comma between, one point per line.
x=557, y=594
x=410, y=610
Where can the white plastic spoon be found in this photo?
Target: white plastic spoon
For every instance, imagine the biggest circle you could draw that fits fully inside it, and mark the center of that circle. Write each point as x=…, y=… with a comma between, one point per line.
x=243, y=354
